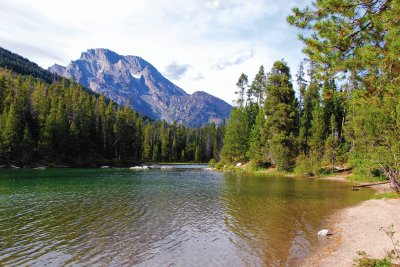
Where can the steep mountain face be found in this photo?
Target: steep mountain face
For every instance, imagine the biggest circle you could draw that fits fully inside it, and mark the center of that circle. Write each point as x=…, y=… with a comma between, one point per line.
x=134, y=81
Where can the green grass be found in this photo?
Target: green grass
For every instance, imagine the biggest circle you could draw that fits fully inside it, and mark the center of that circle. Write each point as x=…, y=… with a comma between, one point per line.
x=365, y=179
x=387, y=195
x=363, y=260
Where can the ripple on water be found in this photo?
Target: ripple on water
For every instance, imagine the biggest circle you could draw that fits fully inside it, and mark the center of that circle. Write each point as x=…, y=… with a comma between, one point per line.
x=178, y=217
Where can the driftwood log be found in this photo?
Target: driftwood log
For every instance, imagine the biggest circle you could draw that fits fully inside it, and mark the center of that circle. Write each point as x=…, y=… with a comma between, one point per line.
x=357, y=187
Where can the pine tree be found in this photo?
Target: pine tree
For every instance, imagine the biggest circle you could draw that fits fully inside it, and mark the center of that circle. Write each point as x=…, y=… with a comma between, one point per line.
x=257, y=88
x=174, y=155
x=236, y=136
x=360, y=40
x=147, y=143
x=280, y=106
x=331, y=144
x=73, y=141
x=10, y=135
x=242, y=85
x=318, y=130
x=310, y=99
x=156, y=153
x=164, y=141
x=197, y=157
x=27, y=145
x=257, y=149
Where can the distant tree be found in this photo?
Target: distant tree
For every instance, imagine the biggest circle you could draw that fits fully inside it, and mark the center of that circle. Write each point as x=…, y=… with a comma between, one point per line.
x=27, y=146
x=147, y=143
x=242, y=86
x=258, y=149
x=10, y=134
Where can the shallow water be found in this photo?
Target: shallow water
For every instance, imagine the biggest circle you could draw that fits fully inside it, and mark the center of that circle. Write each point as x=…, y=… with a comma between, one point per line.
x=183, y=217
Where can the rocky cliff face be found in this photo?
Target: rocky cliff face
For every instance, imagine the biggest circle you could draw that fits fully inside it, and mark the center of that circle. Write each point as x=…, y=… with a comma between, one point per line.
x=131, y=79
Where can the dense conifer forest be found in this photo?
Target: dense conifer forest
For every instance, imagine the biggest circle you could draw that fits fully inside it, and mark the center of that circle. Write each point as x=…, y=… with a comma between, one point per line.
x=23, y=66
x=347, y=109
x=61, y=123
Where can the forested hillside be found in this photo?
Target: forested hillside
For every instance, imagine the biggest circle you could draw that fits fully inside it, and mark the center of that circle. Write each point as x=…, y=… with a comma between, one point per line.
x=348, y=105
x=23, y=66
x=60, y=123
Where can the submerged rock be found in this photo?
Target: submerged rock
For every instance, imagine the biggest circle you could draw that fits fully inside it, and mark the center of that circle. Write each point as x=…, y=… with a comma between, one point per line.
x=323, y=232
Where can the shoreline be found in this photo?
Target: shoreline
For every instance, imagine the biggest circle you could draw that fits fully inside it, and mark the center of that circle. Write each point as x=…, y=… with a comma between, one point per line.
x=357, y=228
x=94, y=165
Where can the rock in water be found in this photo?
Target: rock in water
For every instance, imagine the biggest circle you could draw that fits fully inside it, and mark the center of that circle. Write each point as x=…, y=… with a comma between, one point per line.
x=323, y=232
x=136, y=168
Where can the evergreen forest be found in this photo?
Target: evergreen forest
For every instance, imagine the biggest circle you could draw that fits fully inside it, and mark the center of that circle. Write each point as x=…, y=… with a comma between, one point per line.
x=346, y=110
x=60, y=123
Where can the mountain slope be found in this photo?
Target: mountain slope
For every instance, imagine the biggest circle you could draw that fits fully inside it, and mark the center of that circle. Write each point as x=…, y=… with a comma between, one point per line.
x=131, y=79
x=21, y=65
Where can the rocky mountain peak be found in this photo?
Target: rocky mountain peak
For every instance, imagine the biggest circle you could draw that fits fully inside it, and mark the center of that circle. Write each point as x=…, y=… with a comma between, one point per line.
x=132, y=79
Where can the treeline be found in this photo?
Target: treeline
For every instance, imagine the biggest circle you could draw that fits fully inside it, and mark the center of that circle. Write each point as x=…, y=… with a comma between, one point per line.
x=60, y=123
x=23, y=66
x=270, y=126
x=348, y=105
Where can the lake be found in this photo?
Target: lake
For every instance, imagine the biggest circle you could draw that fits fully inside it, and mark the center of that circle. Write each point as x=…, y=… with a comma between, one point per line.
x=186, y=216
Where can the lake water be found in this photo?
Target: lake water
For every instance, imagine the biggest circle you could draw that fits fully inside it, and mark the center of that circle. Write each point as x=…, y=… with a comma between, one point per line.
x=178, y=217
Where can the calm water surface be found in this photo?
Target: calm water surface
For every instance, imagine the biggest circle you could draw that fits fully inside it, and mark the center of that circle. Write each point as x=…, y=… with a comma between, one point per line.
x=179, y=217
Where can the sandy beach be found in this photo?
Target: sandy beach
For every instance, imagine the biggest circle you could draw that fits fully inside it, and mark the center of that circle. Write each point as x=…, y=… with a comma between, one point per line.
x=358, y=229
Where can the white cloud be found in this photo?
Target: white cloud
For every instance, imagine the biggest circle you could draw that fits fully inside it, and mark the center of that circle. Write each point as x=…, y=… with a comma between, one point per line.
x=211, y=4
x=235, y=59
x=176, y=71
x=233, y=35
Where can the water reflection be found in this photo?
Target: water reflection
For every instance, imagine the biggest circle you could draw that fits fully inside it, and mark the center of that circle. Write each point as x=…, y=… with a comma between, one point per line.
x=275, y=219
x=183, y=217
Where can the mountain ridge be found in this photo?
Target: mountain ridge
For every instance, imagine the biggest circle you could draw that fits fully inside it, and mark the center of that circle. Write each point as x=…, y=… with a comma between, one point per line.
x=134, y=81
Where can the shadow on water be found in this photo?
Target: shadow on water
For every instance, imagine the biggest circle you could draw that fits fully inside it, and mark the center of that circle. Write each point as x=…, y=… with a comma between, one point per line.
x=185, y=216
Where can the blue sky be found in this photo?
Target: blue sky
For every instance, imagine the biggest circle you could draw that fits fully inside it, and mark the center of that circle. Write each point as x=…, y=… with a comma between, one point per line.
x=199, y=45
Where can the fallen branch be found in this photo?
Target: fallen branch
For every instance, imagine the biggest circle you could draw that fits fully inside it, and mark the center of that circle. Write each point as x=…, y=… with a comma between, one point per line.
x=355, y=187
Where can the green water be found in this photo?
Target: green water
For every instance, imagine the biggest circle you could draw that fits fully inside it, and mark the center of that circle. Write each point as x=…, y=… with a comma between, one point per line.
x=180, y=217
